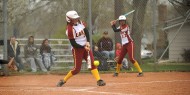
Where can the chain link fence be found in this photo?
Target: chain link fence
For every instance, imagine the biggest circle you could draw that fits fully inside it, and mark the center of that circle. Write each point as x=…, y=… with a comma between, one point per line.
x=46, y=19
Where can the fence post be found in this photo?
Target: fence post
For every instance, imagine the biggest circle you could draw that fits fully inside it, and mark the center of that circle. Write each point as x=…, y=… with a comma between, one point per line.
x=154, y=28
x=5, y=69
x=90, y=20
x=154, y=8
x=5, y=28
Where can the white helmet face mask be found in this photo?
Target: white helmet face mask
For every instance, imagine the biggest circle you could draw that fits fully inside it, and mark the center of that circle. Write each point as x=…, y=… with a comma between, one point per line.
x=71, y=15
x=122, y=17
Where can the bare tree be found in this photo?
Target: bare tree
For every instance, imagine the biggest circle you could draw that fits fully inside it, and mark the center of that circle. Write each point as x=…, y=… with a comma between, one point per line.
x=137, y=25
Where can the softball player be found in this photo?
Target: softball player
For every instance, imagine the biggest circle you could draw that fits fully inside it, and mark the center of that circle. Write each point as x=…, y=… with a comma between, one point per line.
x=79, y=38
x=127, y=44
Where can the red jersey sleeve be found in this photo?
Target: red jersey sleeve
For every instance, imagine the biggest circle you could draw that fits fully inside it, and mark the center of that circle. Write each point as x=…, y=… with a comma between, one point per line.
x=70, y=32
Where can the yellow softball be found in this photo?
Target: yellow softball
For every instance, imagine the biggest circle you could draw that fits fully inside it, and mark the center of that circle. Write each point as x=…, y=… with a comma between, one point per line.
x=96, y=63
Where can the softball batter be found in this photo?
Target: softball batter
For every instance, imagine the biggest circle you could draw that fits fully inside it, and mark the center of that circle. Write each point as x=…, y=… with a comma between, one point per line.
x=79, y=38
x=127, y=44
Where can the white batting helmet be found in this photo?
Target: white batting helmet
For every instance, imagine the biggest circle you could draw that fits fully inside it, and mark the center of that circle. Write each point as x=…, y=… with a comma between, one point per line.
x=122, y=17
x=71, y=15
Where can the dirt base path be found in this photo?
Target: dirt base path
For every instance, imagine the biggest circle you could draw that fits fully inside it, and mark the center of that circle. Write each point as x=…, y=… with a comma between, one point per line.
x=162, y=83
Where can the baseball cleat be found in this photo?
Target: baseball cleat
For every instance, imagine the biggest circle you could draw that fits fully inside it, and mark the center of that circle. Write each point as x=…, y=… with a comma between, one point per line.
x=115, y=74
x=101, y=83
x=60, y=83
x=140, y=75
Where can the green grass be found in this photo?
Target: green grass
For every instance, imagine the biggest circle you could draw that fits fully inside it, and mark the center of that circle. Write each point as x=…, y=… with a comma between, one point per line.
x=150, y=66
x=147, y=66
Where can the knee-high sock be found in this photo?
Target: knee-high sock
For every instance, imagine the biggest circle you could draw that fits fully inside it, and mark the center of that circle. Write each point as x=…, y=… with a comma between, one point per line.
x=118, y=68
x=95, y=73
x=138, y=67
x=69, y=75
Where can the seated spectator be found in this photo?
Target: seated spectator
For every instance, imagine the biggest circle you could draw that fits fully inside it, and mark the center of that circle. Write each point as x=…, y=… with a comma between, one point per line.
x=10, y=64
x=47, y=57
x=105, y=46
x=125, y=64
x=4, y=61
x=101, y=58
x=30, y=52
x=2, y=66
x=13, y=49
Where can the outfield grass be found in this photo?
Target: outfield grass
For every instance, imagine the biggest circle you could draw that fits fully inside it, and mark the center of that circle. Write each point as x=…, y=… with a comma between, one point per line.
x=150, y=66
x=147, y=66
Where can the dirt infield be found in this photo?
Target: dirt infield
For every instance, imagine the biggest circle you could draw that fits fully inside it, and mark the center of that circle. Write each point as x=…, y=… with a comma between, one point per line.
x=162, y=83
